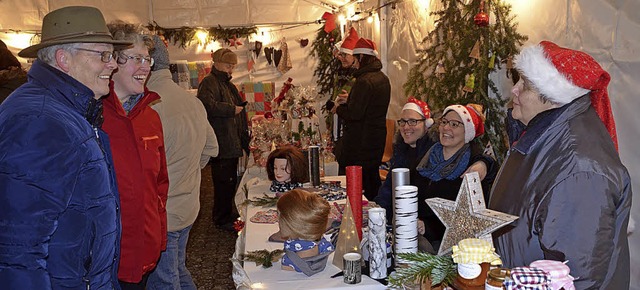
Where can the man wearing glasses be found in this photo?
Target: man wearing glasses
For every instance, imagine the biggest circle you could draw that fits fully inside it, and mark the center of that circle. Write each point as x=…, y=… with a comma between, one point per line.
x=59, y=214
x=227, y=116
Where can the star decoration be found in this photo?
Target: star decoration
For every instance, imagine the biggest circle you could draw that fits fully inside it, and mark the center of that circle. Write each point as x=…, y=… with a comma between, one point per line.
x=467, y=217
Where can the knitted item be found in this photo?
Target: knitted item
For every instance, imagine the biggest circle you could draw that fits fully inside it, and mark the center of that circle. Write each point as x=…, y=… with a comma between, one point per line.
x=160, y=54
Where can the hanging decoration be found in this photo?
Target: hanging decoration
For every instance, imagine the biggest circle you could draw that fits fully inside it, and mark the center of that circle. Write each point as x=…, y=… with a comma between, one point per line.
x=481, y=19
x=184, y=36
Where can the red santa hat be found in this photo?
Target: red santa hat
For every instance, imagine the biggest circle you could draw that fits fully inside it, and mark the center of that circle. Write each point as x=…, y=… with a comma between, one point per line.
x=472, y=118
x=421, y=108
x=563, y=75
x=349, y=43
x=365, y=46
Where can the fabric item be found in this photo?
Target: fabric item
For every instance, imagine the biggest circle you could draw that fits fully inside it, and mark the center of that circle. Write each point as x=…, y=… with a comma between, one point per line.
x=62, y=194
x=160, y=54
x=525, y=278
x=364, y=116
x=329, y=22
x=365, y=46
x=135, y=285
x=225, y=177
x=371, y=181
x=324, y=247
x=189, y=143
x=558, y=273
x=284, y=65
x=141, y=172
x=349, y=42
x=10, y=80
x=475, y=251
x=171, y=272
x=421, y=108
x=277, y=186
x=472, y=119
x=563, y=75
x=265, y=217
x=220, y=98
x=131, y=102
x=562, y=168
x=225, y=55
x=435, y=167
x=72, y=24
x=258, y=96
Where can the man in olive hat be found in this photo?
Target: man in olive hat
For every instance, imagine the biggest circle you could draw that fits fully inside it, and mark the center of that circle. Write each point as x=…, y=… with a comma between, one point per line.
x=228, y=118
x=59, y=209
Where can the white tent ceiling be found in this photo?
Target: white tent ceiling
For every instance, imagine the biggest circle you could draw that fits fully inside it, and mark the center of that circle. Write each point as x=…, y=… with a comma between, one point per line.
x=607, y=29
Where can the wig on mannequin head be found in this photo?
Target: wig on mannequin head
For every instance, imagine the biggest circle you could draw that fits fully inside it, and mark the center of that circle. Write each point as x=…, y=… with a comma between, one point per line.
x=296, y=164
x=303, y=215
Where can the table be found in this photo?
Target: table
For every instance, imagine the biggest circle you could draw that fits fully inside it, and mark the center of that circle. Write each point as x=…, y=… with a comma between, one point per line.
x=255, y=237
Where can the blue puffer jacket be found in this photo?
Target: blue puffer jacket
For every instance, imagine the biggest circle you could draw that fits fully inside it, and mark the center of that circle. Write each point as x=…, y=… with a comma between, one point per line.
x=59, y=206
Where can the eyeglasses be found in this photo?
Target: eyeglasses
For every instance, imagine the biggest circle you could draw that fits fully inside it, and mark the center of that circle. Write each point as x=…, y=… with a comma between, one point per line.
x=139, y=59
x=105, y=56
x=411, y=122
x=452, y=123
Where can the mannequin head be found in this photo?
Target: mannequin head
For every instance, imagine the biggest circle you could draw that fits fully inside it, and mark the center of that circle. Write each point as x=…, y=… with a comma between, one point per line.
x=287, y=164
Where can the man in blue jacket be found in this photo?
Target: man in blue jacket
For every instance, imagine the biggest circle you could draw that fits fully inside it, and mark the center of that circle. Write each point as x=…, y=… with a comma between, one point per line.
x=59, y=206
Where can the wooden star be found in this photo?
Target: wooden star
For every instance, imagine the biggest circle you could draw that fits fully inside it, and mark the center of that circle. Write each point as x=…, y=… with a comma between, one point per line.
x=468, y=216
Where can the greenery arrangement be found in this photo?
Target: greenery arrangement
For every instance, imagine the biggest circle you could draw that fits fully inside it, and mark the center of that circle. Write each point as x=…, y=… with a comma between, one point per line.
x=461, y=52
x=263, y=258
x=264, y=201
x=184, y=35
x=423, y=266
x=328, y=65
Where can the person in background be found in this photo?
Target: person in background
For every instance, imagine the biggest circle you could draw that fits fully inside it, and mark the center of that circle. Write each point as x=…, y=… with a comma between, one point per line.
x=139, y=158
x=228, y=118
x=189, y=143
x=563, y=177
x=59, y=220
x=364, y=110
x=11, y=73
x=442, y=168
x=411, y=144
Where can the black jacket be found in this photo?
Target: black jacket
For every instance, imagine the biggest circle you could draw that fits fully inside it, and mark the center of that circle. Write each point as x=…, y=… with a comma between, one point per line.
x=365, y=116
x=220, y=98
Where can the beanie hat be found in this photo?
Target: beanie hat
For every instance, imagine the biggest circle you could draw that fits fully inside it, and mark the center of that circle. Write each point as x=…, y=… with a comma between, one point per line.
x=349, y=43
x=472, y=118
x=365, y=46
x=421, y=108
x=225, y=55
x=563, y=75
x=160, y=54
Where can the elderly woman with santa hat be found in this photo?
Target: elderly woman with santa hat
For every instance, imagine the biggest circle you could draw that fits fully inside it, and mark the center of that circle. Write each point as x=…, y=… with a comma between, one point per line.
x=563, y=176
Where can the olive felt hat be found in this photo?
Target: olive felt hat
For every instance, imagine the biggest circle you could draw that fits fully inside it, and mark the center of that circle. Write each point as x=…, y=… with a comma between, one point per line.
x=73, y=24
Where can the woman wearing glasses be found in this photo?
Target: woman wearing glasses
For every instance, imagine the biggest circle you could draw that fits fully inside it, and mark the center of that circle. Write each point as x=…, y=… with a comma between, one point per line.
x=139, y=158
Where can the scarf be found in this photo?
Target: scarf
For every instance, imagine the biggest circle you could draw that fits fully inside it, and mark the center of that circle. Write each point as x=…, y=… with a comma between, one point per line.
x=435, y=167
x=283, y=186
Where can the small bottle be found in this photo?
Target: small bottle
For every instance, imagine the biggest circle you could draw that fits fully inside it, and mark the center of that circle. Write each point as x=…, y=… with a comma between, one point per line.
x=496, y=278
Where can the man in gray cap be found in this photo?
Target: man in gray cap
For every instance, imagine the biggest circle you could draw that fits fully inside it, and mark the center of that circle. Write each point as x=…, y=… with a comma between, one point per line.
x=189, y=143
x=228, y=118
x=59, y=209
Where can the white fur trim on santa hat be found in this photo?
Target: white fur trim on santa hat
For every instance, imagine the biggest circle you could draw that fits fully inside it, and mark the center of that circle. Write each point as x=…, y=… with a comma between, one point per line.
x=368, y=51
x=469, y=127
x=414, y=107
x=533, y=63
x=346, y=50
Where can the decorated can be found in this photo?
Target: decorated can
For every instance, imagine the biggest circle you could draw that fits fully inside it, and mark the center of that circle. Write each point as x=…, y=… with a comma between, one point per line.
x=496, y=278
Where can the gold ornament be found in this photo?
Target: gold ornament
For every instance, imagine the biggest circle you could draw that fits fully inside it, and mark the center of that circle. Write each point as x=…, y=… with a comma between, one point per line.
x=467, y=217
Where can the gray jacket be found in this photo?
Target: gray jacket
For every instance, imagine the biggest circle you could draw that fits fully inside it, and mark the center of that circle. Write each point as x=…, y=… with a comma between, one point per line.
x=565, y=181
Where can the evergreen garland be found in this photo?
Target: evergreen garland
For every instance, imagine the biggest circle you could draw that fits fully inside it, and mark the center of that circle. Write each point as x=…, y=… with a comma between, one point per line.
x=264, y=258
x=450, y=45
x=264, y=201
x=328, y=65
x=423, y=266
x=184, y=35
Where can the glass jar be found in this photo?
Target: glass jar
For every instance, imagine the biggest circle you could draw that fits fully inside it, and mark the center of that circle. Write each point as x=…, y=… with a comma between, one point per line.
x=471, y=276
x=495, y=278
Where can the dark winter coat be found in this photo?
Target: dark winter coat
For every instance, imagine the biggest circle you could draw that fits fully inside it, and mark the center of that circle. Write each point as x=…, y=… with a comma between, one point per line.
x=365, y=116
x=137, y=143
x=11, y=79
x=565, y=182
x=220, y=98
x=59, y=220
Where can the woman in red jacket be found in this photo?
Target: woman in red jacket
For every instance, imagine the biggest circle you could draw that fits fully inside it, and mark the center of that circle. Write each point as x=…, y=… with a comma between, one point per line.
x=139, y=158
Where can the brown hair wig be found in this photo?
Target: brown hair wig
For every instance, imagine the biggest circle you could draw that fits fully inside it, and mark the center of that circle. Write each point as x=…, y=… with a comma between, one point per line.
x=296, y=164
x=303, y=215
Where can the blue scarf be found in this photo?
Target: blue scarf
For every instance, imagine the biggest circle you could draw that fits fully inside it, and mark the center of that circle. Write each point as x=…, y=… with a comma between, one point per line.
x=434, y=167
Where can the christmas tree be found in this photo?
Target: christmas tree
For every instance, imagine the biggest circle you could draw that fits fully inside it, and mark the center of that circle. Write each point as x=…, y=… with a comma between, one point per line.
x=460, y=53
x=328, y=65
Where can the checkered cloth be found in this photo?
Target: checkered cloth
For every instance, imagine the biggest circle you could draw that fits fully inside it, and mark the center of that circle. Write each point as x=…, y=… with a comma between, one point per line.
x=558, y=273
x=526, y=278
x=475, y=251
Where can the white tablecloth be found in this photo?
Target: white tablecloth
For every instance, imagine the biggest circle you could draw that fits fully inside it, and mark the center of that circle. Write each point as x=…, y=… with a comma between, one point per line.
x=255, y=237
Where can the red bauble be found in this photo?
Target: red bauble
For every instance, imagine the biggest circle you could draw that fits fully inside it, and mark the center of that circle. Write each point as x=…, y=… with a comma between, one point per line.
x=481, y=19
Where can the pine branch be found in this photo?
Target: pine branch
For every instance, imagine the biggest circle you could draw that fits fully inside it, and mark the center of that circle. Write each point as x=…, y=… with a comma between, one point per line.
x=263, y=257
x=264, y=201
x=423, y=266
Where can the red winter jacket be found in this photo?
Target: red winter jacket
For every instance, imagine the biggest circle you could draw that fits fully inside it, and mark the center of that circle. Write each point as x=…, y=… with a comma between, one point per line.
x=141, y=173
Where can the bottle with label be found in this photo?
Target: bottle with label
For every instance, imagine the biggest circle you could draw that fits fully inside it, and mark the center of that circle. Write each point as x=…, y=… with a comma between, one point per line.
x=471, y=276
x=496, y=278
